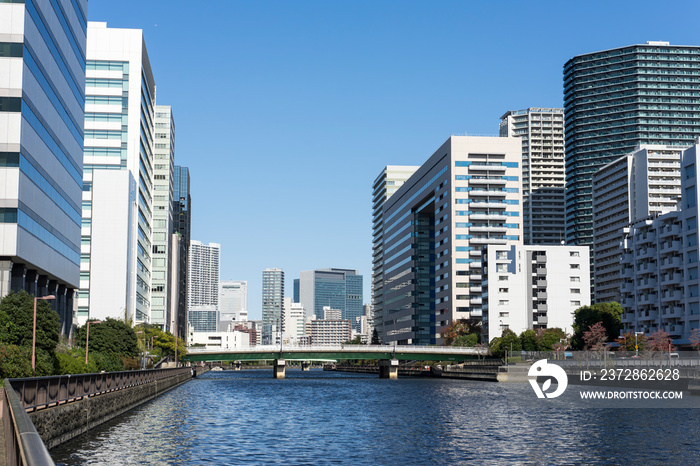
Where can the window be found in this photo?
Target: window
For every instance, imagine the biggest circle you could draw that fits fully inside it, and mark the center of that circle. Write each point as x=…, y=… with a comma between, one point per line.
x=502, y=255
x=503, y=290
x=574, y=266
x=574, y=254
x=575, y=290
x=503, y=278
x=502, y=267
x=503, y=302
x=575, y=303
x=575, y=279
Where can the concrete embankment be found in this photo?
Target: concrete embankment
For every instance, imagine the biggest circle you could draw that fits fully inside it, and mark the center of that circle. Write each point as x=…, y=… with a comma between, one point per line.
x=62, y=423
x=485, y=372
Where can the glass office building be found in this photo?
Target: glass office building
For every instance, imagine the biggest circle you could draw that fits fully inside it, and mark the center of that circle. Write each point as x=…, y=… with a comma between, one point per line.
x=42, y=67
x=337, y=288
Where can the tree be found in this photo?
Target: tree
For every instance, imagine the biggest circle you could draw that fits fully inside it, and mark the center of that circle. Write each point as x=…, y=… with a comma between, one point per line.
x=375, y=337
x=470, y=339
x=528, y=340
x=17, y=322
x=355, y=341
x=110, y=337
x=459, y=328
x=595, y=337
x=508, y=341
x=629, y=340
x=550, y=339
x=660, y=341
x=695, y=339
x=608, y=314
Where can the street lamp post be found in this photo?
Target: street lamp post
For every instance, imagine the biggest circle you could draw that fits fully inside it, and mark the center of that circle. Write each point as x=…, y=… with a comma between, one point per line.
x=87, y=338
x=636, y=346
x=34, y=331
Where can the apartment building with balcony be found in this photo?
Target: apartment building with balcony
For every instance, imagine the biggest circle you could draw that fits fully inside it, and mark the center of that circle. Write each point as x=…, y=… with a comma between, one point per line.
x=659, y=265
x=533, y=287
x=465, y=196
x=642, y=184
x=541, y=131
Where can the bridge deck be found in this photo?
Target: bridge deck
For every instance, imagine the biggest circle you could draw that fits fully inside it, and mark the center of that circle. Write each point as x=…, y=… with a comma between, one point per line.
x=334, y=353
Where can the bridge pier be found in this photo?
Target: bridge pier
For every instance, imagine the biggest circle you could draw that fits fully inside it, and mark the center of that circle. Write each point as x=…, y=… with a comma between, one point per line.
x=278, y=367
x=305, y=366
x=236, y=365
x=389, y=369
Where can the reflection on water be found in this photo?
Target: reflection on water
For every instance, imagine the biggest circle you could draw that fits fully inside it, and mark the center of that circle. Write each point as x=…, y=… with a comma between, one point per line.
x=322, y=418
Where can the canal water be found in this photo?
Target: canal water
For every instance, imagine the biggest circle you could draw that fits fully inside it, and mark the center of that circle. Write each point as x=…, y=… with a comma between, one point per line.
x=310, y=418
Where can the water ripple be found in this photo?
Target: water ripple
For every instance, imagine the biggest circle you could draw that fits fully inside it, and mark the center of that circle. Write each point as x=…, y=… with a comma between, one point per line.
x=316, y=418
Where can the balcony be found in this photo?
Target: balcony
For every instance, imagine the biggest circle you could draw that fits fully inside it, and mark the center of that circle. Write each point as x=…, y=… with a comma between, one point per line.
x=647, y=299
x=671, y=262
x=541, y=320
x=646, y=267
x=627, y=272
x=647, y=283
x=627, y=287
x=646, y=253
x=673, y=245
x=542, y=295
x=676, y=329
x=669, y=230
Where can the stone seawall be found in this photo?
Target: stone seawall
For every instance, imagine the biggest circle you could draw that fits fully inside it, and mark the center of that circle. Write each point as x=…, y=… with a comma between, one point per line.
x=62, y=423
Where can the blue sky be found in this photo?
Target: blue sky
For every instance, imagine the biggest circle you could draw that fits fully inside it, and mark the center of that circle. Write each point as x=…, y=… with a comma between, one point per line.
x=286, y=111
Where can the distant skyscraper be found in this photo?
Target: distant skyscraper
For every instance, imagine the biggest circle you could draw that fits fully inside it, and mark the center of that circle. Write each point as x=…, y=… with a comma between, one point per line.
x=542, y=133
x=116, y=268
x=233, y=300
x=203, y=275
x=465, y=196
x=164, y=155
x=41, y=149
x=616, y=99
x=272, y=303
x=385, y=185
x=338, y=288
x=181, y=226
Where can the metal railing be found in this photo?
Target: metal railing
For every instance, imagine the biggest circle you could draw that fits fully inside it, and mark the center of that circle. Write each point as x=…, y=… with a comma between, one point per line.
x=42, y=392
x=23, y=445
x=345, y=348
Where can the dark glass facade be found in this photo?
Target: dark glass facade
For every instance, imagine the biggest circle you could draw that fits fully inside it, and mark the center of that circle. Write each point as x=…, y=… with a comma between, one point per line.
x=616, y=99
x=181, y=225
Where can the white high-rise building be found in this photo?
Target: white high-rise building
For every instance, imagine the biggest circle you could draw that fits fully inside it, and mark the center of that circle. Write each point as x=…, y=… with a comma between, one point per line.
x=293, y=319
x=542, y=133
x=465, y=196
x=233, y=300
x=42, y=99
x=117, y=230
x=162, y=308
x=637, y=186
x=660, y=285
x=533, y=287
x=203, y=275
x=385, y=185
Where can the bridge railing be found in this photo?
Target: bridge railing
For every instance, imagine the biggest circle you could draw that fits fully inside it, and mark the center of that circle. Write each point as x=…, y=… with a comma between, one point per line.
x=41, y=392
x=344, y=348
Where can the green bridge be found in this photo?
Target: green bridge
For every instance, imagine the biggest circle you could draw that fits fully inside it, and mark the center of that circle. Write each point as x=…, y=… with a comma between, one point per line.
x=389, y=356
